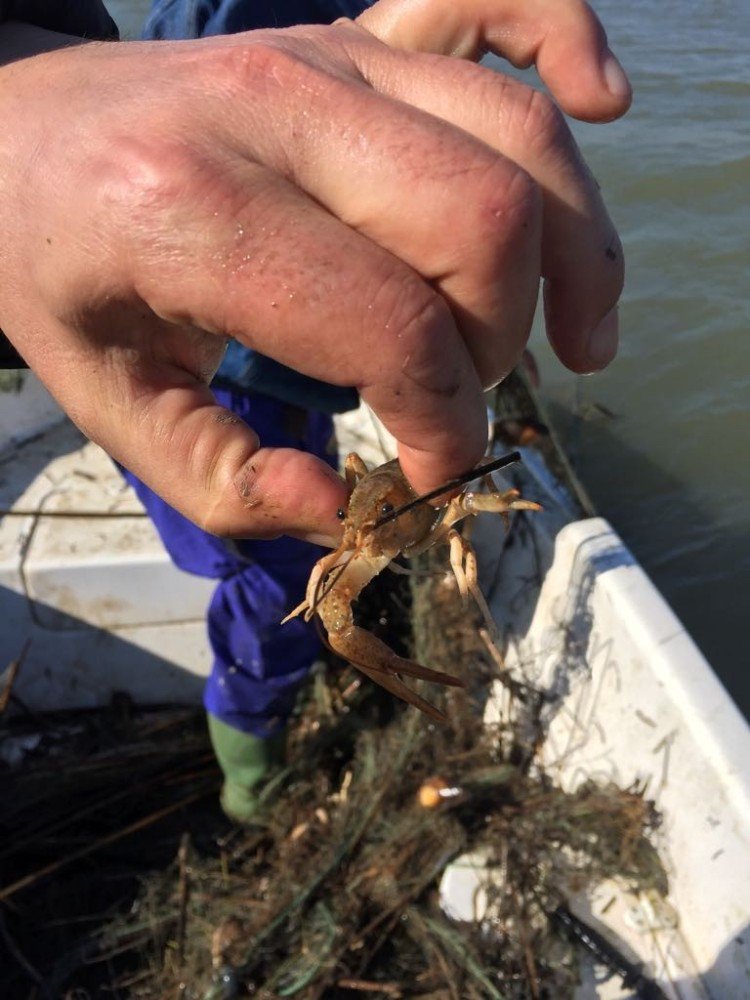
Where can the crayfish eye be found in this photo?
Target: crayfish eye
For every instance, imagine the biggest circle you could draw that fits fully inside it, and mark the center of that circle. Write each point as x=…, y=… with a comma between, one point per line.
x=341, y=514
x=386, y=509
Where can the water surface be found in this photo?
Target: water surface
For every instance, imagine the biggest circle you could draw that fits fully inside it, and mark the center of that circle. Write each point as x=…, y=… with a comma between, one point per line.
x=671, y=470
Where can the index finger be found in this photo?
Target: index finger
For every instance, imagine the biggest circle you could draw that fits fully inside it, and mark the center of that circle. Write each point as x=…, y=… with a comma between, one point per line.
x=563, y=38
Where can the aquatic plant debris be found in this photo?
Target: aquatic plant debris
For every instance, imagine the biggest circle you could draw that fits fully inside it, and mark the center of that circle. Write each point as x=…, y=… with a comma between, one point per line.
x=333, y=892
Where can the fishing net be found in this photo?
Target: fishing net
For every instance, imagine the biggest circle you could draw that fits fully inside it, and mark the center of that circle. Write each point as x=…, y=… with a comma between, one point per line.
x=333, y=893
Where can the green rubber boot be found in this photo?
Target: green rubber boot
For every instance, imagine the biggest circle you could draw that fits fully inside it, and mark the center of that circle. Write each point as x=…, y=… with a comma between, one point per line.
x=245, y=760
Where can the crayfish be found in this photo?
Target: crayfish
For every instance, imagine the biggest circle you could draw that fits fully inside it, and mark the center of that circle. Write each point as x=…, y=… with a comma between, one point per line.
x=384, y=519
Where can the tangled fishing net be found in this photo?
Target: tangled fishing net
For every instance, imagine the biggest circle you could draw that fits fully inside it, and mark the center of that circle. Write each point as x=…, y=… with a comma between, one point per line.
x=333, y=892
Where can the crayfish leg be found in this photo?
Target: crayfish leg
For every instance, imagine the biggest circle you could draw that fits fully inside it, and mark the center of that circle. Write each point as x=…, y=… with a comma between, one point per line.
x=464, y=565
x=297, y=611
x=354, y=469
x=315, y=585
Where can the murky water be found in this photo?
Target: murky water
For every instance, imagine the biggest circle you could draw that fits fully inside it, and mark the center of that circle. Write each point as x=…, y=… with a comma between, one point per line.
x=671, y=468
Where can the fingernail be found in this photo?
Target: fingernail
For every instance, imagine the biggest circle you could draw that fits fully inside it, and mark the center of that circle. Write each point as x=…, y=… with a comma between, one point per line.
x=603, y=339
x=615, y=77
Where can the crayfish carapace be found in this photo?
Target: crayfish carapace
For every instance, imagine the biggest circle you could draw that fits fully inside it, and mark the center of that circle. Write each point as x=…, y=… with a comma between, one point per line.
x=384, y=519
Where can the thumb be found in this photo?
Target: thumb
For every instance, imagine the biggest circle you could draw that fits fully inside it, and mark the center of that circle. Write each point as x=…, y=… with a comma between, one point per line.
x=563, y=38
x=160, y=420
x=208, y=464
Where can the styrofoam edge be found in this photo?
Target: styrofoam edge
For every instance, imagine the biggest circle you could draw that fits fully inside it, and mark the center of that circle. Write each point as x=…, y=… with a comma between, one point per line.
x=706, y=707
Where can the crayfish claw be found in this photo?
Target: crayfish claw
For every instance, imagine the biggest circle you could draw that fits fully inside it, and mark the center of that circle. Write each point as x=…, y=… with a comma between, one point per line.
x=375, y=659
x=497, y=503
x=397, y=687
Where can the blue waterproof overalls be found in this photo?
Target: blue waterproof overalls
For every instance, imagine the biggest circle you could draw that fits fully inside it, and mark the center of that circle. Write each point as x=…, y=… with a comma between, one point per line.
x=258, y=665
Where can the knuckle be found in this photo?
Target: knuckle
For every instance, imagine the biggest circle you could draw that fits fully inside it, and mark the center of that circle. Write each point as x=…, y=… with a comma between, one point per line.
x=142, y=175
x=507, y=204
x=265, y=66
x=219, y=516
x=242, y=65
x=422, y=318
x=499, y=215
x=410, y=311
x=214, y=523
x=541, y=123
x=419, y=333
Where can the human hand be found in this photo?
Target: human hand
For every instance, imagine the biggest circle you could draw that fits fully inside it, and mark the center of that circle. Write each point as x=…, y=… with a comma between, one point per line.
x=371, y=216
